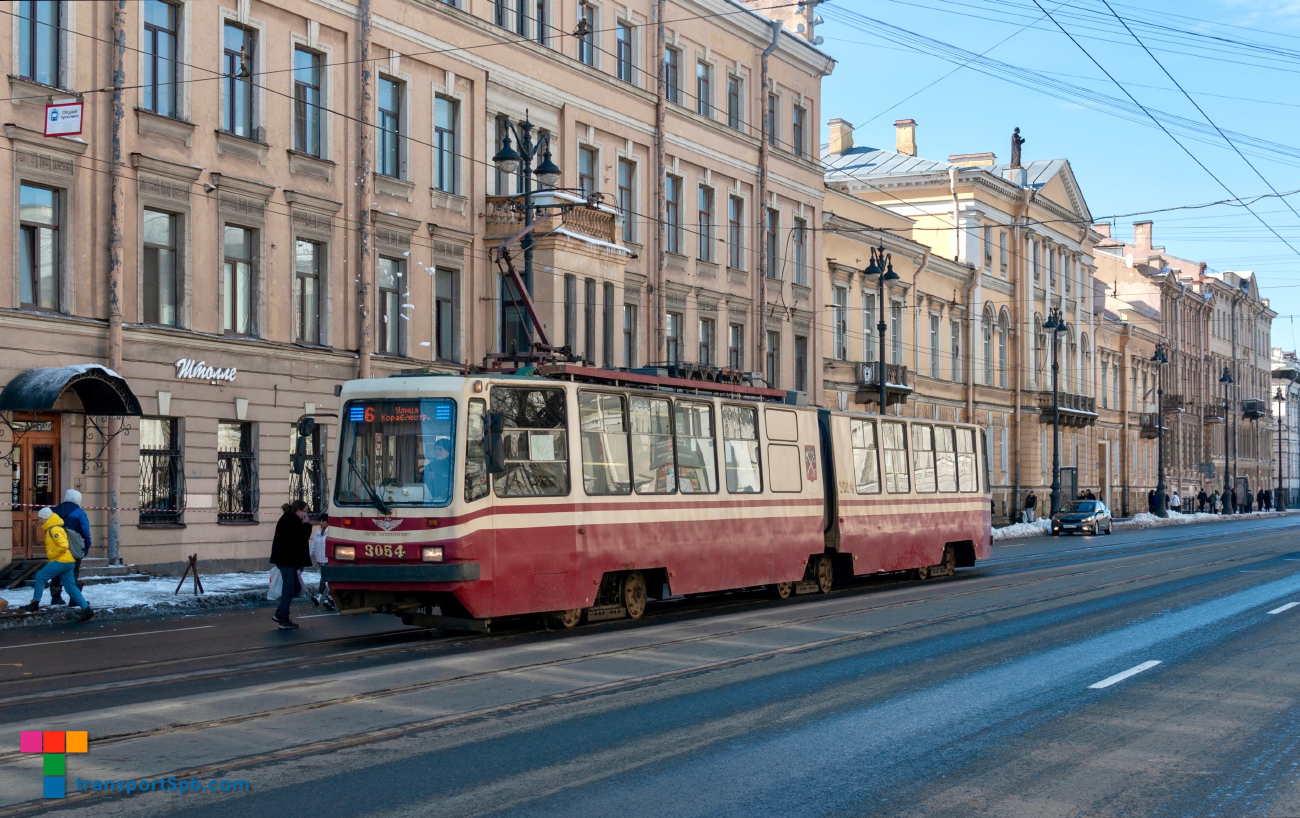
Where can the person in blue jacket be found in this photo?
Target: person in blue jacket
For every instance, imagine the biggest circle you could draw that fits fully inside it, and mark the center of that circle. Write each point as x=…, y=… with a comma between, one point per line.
x=74, y=519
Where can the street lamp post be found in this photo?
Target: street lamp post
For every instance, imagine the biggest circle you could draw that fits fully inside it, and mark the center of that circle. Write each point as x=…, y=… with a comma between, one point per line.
x=881, y=266
x=508, y=160
x=1159, y=359
x=1056, y=325
x=1279, y=504
x=1229, y=502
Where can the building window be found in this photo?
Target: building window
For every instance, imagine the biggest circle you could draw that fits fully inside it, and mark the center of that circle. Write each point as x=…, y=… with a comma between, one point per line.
x=306, y=102
x=629, y=336
x=800, y=363
x=954, y=335
x=239, y=69
x=1003, y=330
x=773, y=131
x=502, y=178
x=1002, y=249
x=672, y=78
x=796, y=135
x=868, y=327
x=704, y=89
x=773, y=360
x=306, y=291
x=799, y=240
x=587, y=42
x=445, y=126
x=840, y=322
x=736, y=233
x=514, y=332
x=571, y=313
x=705, y=250
x=988, y=348
x=388, y=156
x=237, y=495
x=587, y=171
x=541, y=17
x=734, y=98
x=40, y=26
x=673, y=214
x=309, y=484
x=735, y=346
x=589, y=321
x=627, y=197
x=772, y=235
x=444, y=315
x=162, y=486
x=607, y=327
x=500, y=13
x=521, y=18
x=706, y=342
x=38, y=253
x=988, y=245
x=896, y=332
x=389, y=274
x=934, y=346
x=673, y=335
x=623, y=52
x=161, y=26
x=159, y=290
x=237, y=293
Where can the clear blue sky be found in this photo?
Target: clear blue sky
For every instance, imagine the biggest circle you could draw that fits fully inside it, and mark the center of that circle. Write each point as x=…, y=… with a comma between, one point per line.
x=1240, y=61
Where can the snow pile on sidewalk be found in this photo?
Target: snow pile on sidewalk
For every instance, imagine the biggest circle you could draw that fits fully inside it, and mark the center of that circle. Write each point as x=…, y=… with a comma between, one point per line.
x=157, y=596
x=1037, y=528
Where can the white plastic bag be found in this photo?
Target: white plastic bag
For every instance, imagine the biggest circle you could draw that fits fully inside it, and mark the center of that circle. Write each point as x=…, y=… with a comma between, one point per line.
x=275, y=585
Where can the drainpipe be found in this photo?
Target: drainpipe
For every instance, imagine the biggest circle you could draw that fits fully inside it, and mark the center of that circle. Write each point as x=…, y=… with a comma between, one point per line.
x=1178, y=358
x=117, y=210
x=365, y=268
x=956, y=225
x=657, y=301
x=972, y=292
x=764, y=263
x=1125, y=456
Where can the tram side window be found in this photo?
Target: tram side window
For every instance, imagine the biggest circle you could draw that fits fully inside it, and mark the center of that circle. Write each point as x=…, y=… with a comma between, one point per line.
x=697, y=456
x=653, y=461
x=945, y=458
x=534, y=442
x=984, y=461
x=604, y=443
x=476, y=472
x=740, y=448
x=896, y=474
x=866, y=458
x=923, y=457
x=967, y=478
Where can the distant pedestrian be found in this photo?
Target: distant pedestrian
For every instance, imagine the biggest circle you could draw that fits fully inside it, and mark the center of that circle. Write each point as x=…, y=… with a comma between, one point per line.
x=290, y=551
x=1247, y=501
x=1176, y=503
x=317, y=547
x=1201, y=501
x=60, y=565
x=1090, y=495
x=1031, y=507
x=1151, y=501
x=1214, y=502
x=76, y=524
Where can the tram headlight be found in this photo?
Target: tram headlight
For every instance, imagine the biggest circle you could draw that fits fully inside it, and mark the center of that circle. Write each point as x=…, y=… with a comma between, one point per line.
x=345, y=552
x=431, y=553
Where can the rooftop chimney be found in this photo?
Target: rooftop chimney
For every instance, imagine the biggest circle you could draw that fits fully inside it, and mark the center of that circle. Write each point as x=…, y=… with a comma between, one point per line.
x=973, y=160
x=905, y=136
x=841, y=135
x=1142, y=235
x=1102, y=228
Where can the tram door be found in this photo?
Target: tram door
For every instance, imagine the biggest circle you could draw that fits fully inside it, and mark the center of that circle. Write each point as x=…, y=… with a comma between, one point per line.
x=35, y=480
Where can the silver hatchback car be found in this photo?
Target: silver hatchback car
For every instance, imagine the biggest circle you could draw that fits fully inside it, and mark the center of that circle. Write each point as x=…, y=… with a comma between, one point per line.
x=1082, y=517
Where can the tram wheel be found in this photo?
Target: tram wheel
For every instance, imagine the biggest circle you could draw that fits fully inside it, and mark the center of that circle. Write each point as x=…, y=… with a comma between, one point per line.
x=922, y=573
x=634, y=594
x=825, y=573
x=782, y=590
x=566, y=619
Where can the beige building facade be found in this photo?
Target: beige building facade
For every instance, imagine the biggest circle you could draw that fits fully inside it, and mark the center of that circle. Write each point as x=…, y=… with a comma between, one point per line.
x=286, y=196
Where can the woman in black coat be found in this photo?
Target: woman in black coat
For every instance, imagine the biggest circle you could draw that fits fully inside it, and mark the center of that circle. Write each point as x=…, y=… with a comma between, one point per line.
x=289, y=552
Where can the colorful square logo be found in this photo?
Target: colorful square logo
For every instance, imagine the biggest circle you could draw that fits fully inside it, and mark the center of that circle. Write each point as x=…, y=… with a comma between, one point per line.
x=55, y=746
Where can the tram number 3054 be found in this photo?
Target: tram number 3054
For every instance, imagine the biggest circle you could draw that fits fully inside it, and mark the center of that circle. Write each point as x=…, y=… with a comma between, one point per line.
x=390, y=551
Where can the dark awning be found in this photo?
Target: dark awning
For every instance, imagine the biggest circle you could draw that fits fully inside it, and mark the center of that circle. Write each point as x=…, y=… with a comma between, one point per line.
x=101, y=390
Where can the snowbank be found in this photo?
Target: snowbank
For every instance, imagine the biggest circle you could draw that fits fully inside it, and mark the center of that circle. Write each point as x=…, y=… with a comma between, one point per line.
x=1037, y=528
x=1043, y=526
x=155, y=597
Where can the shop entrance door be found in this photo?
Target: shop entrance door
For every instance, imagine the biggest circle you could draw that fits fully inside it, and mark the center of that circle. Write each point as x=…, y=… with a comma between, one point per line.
x=35, y=480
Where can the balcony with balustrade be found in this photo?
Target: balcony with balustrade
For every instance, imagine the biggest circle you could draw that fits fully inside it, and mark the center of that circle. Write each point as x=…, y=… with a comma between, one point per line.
x=897, y=388
x=1075, y=410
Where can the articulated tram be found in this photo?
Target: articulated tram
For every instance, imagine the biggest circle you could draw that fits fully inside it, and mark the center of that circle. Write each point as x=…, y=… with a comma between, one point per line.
x=574, y=492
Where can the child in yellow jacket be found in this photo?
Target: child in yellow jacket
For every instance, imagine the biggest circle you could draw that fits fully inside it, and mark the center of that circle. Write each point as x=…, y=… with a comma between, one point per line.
x=60, y=565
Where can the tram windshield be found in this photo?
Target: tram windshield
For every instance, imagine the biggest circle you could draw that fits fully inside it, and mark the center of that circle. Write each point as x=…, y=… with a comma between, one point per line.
x=399, y=449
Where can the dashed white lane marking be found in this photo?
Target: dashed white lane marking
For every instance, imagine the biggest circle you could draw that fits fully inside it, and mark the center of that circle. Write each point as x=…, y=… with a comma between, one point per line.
x=1119, y=677
x=109, y=636
x=313, y=616
x=1285, y=607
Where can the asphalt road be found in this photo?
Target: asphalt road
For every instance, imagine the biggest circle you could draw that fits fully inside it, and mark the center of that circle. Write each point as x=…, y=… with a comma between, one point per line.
x=1000, y=692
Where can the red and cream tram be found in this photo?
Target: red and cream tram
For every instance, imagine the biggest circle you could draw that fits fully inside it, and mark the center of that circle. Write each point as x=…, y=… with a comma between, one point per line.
x=572, y=491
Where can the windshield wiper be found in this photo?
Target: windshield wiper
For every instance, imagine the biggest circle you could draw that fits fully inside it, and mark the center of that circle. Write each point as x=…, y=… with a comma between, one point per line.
x=380, y=505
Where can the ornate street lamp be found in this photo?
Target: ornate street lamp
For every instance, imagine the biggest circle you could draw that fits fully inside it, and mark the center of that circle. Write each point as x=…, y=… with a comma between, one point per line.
x=1229, y=502
x=1056, y=325
x=1160, y=359
x=881, y=266
x=509, y=160
x=1279, y=504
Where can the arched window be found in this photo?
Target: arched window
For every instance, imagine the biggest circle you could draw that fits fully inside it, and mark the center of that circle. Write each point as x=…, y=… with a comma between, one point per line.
x=988, y=346
x=1039, y=345
x=1004, y=329
x=1085, y=365
x=1068, y=352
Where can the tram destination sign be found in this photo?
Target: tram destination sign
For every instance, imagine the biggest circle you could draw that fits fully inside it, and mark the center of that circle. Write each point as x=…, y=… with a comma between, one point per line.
x=188, y=369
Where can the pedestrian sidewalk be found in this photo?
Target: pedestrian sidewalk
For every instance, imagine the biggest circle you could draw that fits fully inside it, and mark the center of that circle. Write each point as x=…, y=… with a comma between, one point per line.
x=1043, y=525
